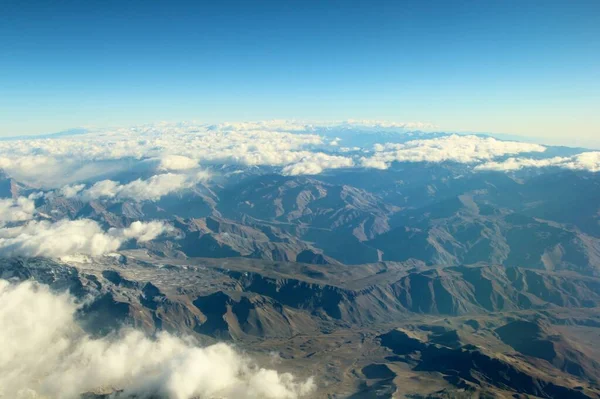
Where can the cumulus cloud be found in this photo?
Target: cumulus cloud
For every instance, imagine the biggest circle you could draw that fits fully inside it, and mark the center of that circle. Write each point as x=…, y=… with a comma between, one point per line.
x=455, y=148
x=26, y=162
x=315, y=163
x=176, y=162
x=96, y=155
x=16, y=210
x=68, y=237
x=335, y=142
x=294, y=147
x=71, y=191
x=151, y=189
x=376, y=162
x=589, y=161
x=158, y=141
x=44, y=171
x=45, y=354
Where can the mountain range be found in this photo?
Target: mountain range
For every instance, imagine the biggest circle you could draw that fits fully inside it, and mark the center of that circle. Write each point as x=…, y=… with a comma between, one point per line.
x=423, y=279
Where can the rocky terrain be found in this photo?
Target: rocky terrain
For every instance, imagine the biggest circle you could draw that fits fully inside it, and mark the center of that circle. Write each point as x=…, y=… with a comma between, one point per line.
x=446, y=219
x=418, y=330
x=420, y=280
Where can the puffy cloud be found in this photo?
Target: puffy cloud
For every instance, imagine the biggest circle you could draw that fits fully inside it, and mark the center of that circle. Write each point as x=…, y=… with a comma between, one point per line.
x=45, y=354
x=455, y=148
x=16, y=210
x=101, y=156
x=151, y=189
x=177, y=162
x=51, y=172
x=156, y=141
x=53, y=162
x=67, y=237
x=104, y=188
x=315, y=163
x=586, y=161
x=33, y=169
x=512, y=164
x=376, y=162
x=140, y=231
x=26, y=162
x=64, y=160
x=335, y=142
x=589, y=161
x=71, y=191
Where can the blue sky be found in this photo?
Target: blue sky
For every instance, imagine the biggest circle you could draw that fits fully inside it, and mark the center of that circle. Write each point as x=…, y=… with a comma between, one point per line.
x=517, y=67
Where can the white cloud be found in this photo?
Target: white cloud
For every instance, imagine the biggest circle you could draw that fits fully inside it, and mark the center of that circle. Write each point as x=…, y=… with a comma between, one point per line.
x=271, y=125
x=68, y=237
x=71, y=191
x=586, y=161
x=462, y=149
x=16, y=210
x=26, y=162
x=144, y=190
x=46, y=355
x=589, y=161
x=104, y=188
x=308, y=126
x=295, y=147
x=46, y=171
x=52, y=163
x=315, y=163
x=519, y=163
x=140, y=231
x=66, y=160
x=391, y=125
x=157, y=141
x=32, y=168
x=376, y=162
x=177, y=162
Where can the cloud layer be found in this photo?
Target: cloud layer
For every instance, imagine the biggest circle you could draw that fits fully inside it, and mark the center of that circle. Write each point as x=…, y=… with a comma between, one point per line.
x=151, y=189
x=315, y=163
x=589, y=161
x=46, y=355
x=454, y=148
x=68, y=237
x=292, y=148
x=55, y=162
x=307, y=126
